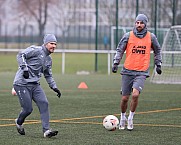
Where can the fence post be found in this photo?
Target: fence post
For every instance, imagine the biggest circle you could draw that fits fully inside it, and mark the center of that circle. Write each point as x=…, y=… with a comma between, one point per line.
x=63, y=62
x=108, y=62
x=96, y=36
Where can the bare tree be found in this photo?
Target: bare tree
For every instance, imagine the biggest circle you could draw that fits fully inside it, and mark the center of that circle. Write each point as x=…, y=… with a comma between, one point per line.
x=63, y=14
x=36, y=10
x=2, y=13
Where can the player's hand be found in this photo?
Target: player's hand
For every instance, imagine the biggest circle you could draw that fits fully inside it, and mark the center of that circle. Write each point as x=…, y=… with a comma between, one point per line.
x=158, y=69
x=26, y=74
x=57, y=91
x=115, y=68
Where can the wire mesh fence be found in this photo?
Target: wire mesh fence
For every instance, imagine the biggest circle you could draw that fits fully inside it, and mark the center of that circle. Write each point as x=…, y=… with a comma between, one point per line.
x=80, y=24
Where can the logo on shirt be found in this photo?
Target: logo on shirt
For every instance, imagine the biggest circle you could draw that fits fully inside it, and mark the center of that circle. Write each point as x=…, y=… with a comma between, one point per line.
x=139, y=49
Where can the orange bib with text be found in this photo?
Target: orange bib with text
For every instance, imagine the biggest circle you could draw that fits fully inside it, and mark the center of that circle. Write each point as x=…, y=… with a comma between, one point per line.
x=138, y=52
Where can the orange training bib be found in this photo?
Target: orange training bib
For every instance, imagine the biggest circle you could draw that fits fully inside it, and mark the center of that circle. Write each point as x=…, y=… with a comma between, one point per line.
x=138, y=52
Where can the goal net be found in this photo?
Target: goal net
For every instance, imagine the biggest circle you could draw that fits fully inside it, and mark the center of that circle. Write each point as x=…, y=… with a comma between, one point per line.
x=171, y=58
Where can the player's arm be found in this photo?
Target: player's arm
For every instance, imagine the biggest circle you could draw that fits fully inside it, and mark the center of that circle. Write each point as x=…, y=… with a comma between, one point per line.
x=121, y=49
x=23, y=56
x=120, y=52
x=157, y=53
x=49, y=77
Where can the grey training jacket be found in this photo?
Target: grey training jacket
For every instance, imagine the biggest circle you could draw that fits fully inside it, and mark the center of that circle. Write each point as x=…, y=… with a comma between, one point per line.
x=37, y=60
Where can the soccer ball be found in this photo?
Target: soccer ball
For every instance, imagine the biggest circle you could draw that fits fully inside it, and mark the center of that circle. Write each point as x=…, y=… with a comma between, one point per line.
x=110, y=122
x=13, y=92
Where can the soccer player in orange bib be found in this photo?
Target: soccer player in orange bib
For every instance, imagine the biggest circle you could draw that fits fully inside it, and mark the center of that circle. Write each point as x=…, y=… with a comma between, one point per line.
x=137, y=43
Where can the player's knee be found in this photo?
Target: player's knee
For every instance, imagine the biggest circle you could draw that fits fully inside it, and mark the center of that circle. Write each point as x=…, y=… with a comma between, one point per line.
x=125, y=99
x=44, y=104
x=135, y=96
x=28, y=111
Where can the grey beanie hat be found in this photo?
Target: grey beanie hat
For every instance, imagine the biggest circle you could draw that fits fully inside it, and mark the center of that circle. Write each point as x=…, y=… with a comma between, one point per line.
x=143, y=18
x=49, y=38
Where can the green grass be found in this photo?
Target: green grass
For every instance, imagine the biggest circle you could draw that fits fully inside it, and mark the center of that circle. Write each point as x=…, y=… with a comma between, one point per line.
x=78, y=114
x=74, y=62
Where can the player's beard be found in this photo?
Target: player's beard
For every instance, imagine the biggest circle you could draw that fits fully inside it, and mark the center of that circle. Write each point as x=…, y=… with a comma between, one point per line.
x=139, y=29
x=52, y=50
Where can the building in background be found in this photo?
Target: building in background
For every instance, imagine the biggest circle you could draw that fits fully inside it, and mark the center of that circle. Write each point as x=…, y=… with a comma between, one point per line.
x=75, y=21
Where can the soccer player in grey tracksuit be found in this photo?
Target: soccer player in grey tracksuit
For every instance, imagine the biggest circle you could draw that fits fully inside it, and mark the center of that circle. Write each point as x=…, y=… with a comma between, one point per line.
x=33, y=62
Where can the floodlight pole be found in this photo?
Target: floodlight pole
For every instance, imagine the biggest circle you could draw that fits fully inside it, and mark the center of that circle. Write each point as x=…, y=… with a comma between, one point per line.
x=155, y=17
x=96, y=37
x=137, y=7
x=174, y=12
x=117, y=21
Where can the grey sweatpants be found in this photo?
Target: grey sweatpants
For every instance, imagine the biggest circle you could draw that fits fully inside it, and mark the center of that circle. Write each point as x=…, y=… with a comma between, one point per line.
x=28, y=93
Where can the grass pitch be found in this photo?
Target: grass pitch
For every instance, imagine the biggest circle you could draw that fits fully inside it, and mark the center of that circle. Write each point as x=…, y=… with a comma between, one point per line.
x=78, y=114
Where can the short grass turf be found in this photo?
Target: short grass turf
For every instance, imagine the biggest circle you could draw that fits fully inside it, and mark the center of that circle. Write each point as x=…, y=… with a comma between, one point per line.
x=78, y=114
